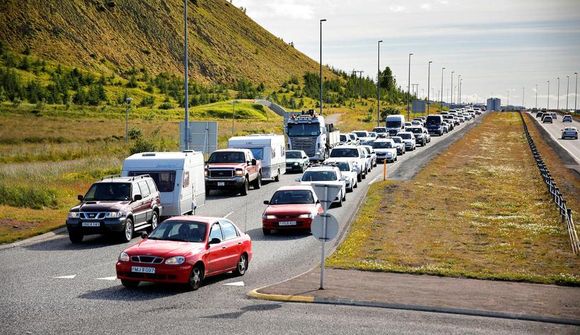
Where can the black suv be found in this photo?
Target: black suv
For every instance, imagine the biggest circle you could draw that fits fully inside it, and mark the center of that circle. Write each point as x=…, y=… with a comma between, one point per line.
x=117, y=205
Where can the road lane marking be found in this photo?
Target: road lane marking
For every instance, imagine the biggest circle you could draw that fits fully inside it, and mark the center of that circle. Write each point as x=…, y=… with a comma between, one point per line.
x=230, y=213
x=237, y=283
x=374, y=180
x=108, y=278
x=65, y=277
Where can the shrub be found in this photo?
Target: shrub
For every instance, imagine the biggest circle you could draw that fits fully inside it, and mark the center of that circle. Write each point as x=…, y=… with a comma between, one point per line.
x=28, y=197
x=147, y=101
x=166, y=105
x=142, y=146
x=135, y=134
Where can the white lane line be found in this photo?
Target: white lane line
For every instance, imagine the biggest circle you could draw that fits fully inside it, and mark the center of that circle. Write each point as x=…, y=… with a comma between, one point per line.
x=108, y=278
x=230, y=213
x=374, y=180
x=65, y=277
x=237, y=283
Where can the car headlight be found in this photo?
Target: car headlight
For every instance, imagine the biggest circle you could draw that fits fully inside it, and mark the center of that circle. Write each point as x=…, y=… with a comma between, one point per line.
x=268, y=217
x=176, y=260
x=205, y=173
x=124, y=257
x=239, y=172
x=74, y=215
x=113, y=215
x=295, y=163
x=305, y=216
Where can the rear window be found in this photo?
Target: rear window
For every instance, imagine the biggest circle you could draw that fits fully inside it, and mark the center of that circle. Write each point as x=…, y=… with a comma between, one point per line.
x=228, y=230
x=319, y=176
x=344, y=152
x=165, y=180
x=144, y=189
x=434, y=119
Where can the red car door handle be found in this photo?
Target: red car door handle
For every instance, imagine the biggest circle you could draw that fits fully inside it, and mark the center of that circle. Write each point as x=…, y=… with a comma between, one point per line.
x=223, y=248
x=239, y=243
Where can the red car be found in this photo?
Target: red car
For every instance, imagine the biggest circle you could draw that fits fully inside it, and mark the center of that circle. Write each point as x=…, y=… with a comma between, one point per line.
x=291, y=208
x=186, y=249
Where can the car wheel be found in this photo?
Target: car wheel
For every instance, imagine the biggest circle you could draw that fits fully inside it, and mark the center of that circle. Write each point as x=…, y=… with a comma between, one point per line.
x=129, y=283
x=258, y=182
x=127, y=233
x=195, y=278
x=277, y=178
x=75, y=237
x=344, y=197
x=245, y=187
x=242, y=265
x=154, y=221
x=339, y=204
x=266, y=231
x=359, y=177
x=350, y=189
x=207, y=189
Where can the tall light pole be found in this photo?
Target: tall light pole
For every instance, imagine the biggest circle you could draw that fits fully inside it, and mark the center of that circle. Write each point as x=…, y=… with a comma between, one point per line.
x=409, y=89
x=567, y=91
x=451, y=89
x=321, y=20
x=576, y=93
x=523, y=96
x=460, y=87
x=379, y=82
x=558, y=101
x=536, y=96
x=442, y=69
x=186, y=84
x=428, y=84
x=548, y=102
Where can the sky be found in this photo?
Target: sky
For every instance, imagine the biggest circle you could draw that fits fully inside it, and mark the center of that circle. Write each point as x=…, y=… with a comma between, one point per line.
x=499, y=48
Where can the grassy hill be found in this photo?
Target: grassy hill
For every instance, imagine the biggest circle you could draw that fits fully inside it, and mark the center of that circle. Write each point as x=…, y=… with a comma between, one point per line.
x=113, y=36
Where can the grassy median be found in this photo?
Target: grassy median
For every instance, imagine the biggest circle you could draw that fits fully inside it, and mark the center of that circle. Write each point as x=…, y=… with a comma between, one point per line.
x=478, y=210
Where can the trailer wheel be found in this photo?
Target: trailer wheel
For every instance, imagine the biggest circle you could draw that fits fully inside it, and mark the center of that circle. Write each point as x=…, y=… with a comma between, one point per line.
x=258, y=182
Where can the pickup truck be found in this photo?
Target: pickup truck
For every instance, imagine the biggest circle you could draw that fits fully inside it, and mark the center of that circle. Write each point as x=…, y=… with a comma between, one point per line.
x=232, y=169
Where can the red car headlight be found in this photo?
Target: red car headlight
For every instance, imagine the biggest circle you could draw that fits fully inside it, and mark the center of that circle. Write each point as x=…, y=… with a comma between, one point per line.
x=176, y=260
x=305, y=216
x=124, y=257
x=269, y=217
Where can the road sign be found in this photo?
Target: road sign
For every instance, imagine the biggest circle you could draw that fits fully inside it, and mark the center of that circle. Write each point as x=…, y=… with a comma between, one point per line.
x=202, y=136
x=317, y=227
x=327, y=192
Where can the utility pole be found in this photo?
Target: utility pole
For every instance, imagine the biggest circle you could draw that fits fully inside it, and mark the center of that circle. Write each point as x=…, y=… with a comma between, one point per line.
x=186, y=77
x=558, y=101
x=576, y=93
x=458, y=85
x=409, y=89
x=567, y=91
x=442, y=69
x=321, y=20
x=451, y=89
x=379, y=82
x=428, y=84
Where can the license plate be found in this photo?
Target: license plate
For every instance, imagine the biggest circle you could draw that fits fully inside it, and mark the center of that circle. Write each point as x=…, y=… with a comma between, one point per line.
x=142, y=269
x=221, y=183
x=287, y=223
x=91, y=224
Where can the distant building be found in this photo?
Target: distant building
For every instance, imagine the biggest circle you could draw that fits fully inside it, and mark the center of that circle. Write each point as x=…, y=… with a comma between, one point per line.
x=494, y=104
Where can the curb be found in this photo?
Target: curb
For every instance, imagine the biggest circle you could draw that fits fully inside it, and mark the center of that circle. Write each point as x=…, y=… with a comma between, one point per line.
x=279, y=297
x=34, y=239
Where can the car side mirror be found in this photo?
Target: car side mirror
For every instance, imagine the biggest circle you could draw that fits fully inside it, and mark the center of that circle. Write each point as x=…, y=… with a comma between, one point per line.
x=298, y=179
x=144, y=235
x=317, y=201
x=137, y=197
x=266, y=202
x=254, y=161
x=80, y=197
x=215, y=240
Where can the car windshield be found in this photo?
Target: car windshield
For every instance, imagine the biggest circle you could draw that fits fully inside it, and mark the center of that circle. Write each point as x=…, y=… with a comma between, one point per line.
x=432, y=119
x=379, y=130
x=344, y=152
x=182, y=231
x=394, y=124
x=319, y=176
x=343, y=166
x=360, y=134
x=405, y=136
x=109, y=192
x=227, y=157
x=397, y=139
x=382, y=145
x=343, y=138
x=301, y=197
x=303, y=129
x=293, y=154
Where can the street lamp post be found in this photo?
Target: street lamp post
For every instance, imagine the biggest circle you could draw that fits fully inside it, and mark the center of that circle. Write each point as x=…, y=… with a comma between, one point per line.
x=576, y=93
x=548, y=102
x=458, y=88
x=567, y=91
x=321, y=20
x=186, y=85
x=379, y=82
x=451, y=89
x=409, y=89
x=428, y=84
x=128, y=102
x=442, y=69
x=558, y=101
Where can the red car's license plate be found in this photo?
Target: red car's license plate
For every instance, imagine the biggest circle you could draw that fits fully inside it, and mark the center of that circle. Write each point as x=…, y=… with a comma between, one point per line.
x=287, y=223
x=142, y=269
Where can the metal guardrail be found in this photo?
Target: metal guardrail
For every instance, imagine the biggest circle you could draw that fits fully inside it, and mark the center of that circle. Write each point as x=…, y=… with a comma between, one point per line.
x=558, y=198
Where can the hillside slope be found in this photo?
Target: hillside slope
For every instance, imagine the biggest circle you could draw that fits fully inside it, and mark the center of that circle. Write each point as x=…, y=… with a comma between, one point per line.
x=114, y=35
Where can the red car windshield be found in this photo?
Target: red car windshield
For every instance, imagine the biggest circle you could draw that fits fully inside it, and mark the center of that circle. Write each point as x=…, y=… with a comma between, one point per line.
x=301, y=197
x=183, y=231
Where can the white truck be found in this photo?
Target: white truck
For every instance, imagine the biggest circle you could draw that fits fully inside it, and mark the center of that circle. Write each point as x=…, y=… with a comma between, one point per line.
x=309, y=132
x=395, y=124
x=179, y=176
x=270, y=149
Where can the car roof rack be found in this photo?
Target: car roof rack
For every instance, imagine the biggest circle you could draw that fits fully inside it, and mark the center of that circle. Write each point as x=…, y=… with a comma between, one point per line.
x=141, y=176
x=111, y=176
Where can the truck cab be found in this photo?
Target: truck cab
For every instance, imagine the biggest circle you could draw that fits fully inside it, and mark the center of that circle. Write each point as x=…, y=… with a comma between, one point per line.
x=232, y=169
x=310, y=133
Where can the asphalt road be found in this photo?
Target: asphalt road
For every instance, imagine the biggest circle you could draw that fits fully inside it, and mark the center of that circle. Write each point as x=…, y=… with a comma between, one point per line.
x=555, y=131
x=54, y=287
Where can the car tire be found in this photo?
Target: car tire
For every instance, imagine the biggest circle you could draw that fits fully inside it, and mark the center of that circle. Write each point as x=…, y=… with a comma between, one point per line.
x=350, y=189
x=76, y=237
x=359, y=177
x=129, y=229
x=129, y=283
x=339, y=204
x=344, y=197
x=245, y=187
x=266, y=231
x=154, y=221
x=277, y=178
x=195, y=278
x=207, y=190
x=258, y=182
x=241, y=265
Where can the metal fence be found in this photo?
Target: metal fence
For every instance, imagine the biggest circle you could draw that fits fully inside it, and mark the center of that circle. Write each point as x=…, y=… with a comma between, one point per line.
x=565, y=212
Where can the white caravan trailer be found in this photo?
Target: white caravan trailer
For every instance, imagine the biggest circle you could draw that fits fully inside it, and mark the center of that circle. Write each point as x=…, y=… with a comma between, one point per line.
x=268, y=148
x=179, y=177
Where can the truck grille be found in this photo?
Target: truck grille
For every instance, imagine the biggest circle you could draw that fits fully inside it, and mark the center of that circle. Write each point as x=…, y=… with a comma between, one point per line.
x=308, y=144
x=221, y=173
x=92, y=215
x=147, y=259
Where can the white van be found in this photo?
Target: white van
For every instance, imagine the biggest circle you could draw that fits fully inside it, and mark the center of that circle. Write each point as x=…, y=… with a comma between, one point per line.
x=268, y=148
x=179, y=177
x=395, y=124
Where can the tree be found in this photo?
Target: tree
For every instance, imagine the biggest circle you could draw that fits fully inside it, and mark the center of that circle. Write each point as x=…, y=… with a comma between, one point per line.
x=387, y=80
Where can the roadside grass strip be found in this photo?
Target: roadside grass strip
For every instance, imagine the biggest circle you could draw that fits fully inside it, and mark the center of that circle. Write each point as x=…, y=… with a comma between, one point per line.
x=478, y=210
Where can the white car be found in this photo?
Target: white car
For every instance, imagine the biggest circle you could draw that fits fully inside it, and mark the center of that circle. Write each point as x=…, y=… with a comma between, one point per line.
x=570, y=132
x=346, y=167
x=356, y=154
x=325, y=174
x=399, y=144
x=386, y=149
x=408, y=138
x=371, y=155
